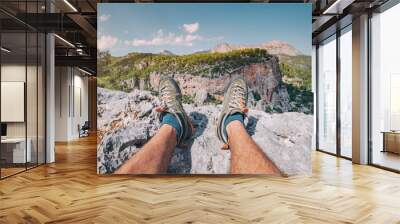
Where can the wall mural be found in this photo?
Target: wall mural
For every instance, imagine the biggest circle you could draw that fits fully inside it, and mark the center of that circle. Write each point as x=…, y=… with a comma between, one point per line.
x=204, y=89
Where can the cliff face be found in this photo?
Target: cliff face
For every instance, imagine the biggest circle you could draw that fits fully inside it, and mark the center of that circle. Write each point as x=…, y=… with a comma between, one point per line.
x=263, y=80
x=126, y=121
x=276, y=83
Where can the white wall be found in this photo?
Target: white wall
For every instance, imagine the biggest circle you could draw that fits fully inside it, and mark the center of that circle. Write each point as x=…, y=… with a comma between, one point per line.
x=62, y=81
x=81, y=83
x=70, y=83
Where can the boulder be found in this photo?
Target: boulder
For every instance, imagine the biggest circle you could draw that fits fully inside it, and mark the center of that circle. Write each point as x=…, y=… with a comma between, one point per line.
x=285, y=138
x=201, y=97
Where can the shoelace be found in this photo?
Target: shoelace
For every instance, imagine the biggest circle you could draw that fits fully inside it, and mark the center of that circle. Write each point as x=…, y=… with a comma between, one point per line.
x=238, y=95
x=168, y=96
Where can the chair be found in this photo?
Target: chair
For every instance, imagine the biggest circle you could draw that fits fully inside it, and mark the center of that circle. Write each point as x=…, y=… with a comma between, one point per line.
x=84, y=130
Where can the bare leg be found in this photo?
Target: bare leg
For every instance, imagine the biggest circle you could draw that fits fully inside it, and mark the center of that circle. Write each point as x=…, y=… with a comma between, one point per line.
x=246, y=156
x=155, y=155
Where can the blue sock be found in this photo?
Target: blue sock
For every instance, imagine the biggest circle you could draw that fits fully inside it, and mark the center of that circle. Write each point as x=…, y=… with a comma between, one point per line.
x=233, y=117
x=170, y=119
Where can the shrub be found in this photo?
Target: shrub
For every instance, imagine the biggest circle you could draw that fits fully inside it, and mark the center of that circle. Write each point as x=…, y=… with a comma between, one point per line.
x=187, y=99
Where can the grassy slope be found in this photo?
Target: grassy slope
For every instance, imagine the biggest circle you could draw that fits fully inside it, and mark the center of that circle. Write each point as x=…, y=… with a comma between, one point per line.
x=296, y=72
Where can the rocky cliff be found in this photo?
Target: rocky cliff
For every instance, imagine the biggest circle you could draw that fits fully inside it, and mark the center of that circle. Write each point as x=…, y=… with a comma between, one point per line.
x=126, y=121
x=202, y=77
x=263, y=79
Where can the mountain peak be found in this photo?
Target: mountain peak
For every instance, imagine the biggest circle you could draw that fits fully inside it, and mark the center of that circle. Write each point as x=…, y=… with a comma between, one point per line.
x=280, y=48
x=222, y=48
x=166, y=52
x=275, y=47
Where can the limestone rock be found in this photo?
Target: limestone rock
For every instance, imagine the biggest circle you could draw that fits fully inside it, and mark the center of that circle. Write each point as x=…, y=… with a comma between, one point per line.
x=284, y=137
x=201, y=97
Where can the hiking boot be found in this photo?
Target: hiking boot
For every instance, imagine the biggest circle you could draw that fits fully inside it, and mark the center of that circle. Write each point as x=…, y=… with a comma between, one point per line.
x=171, y=98
x=235, y=100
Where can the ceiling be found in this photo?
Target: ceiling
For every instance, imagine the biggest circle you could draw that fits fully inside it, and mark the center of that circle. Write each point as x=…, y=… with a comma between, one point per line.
x=75, y=22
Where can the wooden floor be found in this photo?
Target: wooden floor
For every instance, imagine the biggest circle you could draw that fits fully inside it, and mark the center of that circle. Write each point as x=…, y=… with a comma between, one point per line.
x=70, y=191
x=10, y=171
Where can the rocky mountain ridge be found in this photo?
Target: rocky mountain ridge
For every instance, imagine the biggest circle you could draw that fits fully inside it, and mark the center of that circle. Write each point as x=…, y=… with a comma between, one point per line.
x=274, y=47
x=166, y=52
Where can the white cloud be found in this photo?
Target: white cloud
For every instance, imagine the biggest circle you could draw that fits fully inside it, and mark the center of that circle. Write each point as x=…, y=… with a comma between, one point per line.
x=106, y=42
x=188, y=38
x=191, y=28
x=105, y=17
x=160, y=38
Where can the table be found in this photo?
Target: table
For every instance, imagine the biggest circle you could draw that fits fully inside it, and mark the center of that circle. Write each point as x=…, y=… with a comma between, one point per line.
x=391, y=141
x=13, y=150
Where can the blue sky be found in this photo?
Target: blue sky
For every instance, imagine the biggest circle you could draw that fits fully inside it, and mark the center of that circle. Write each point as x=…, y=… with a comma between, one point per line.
x=187, y=28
